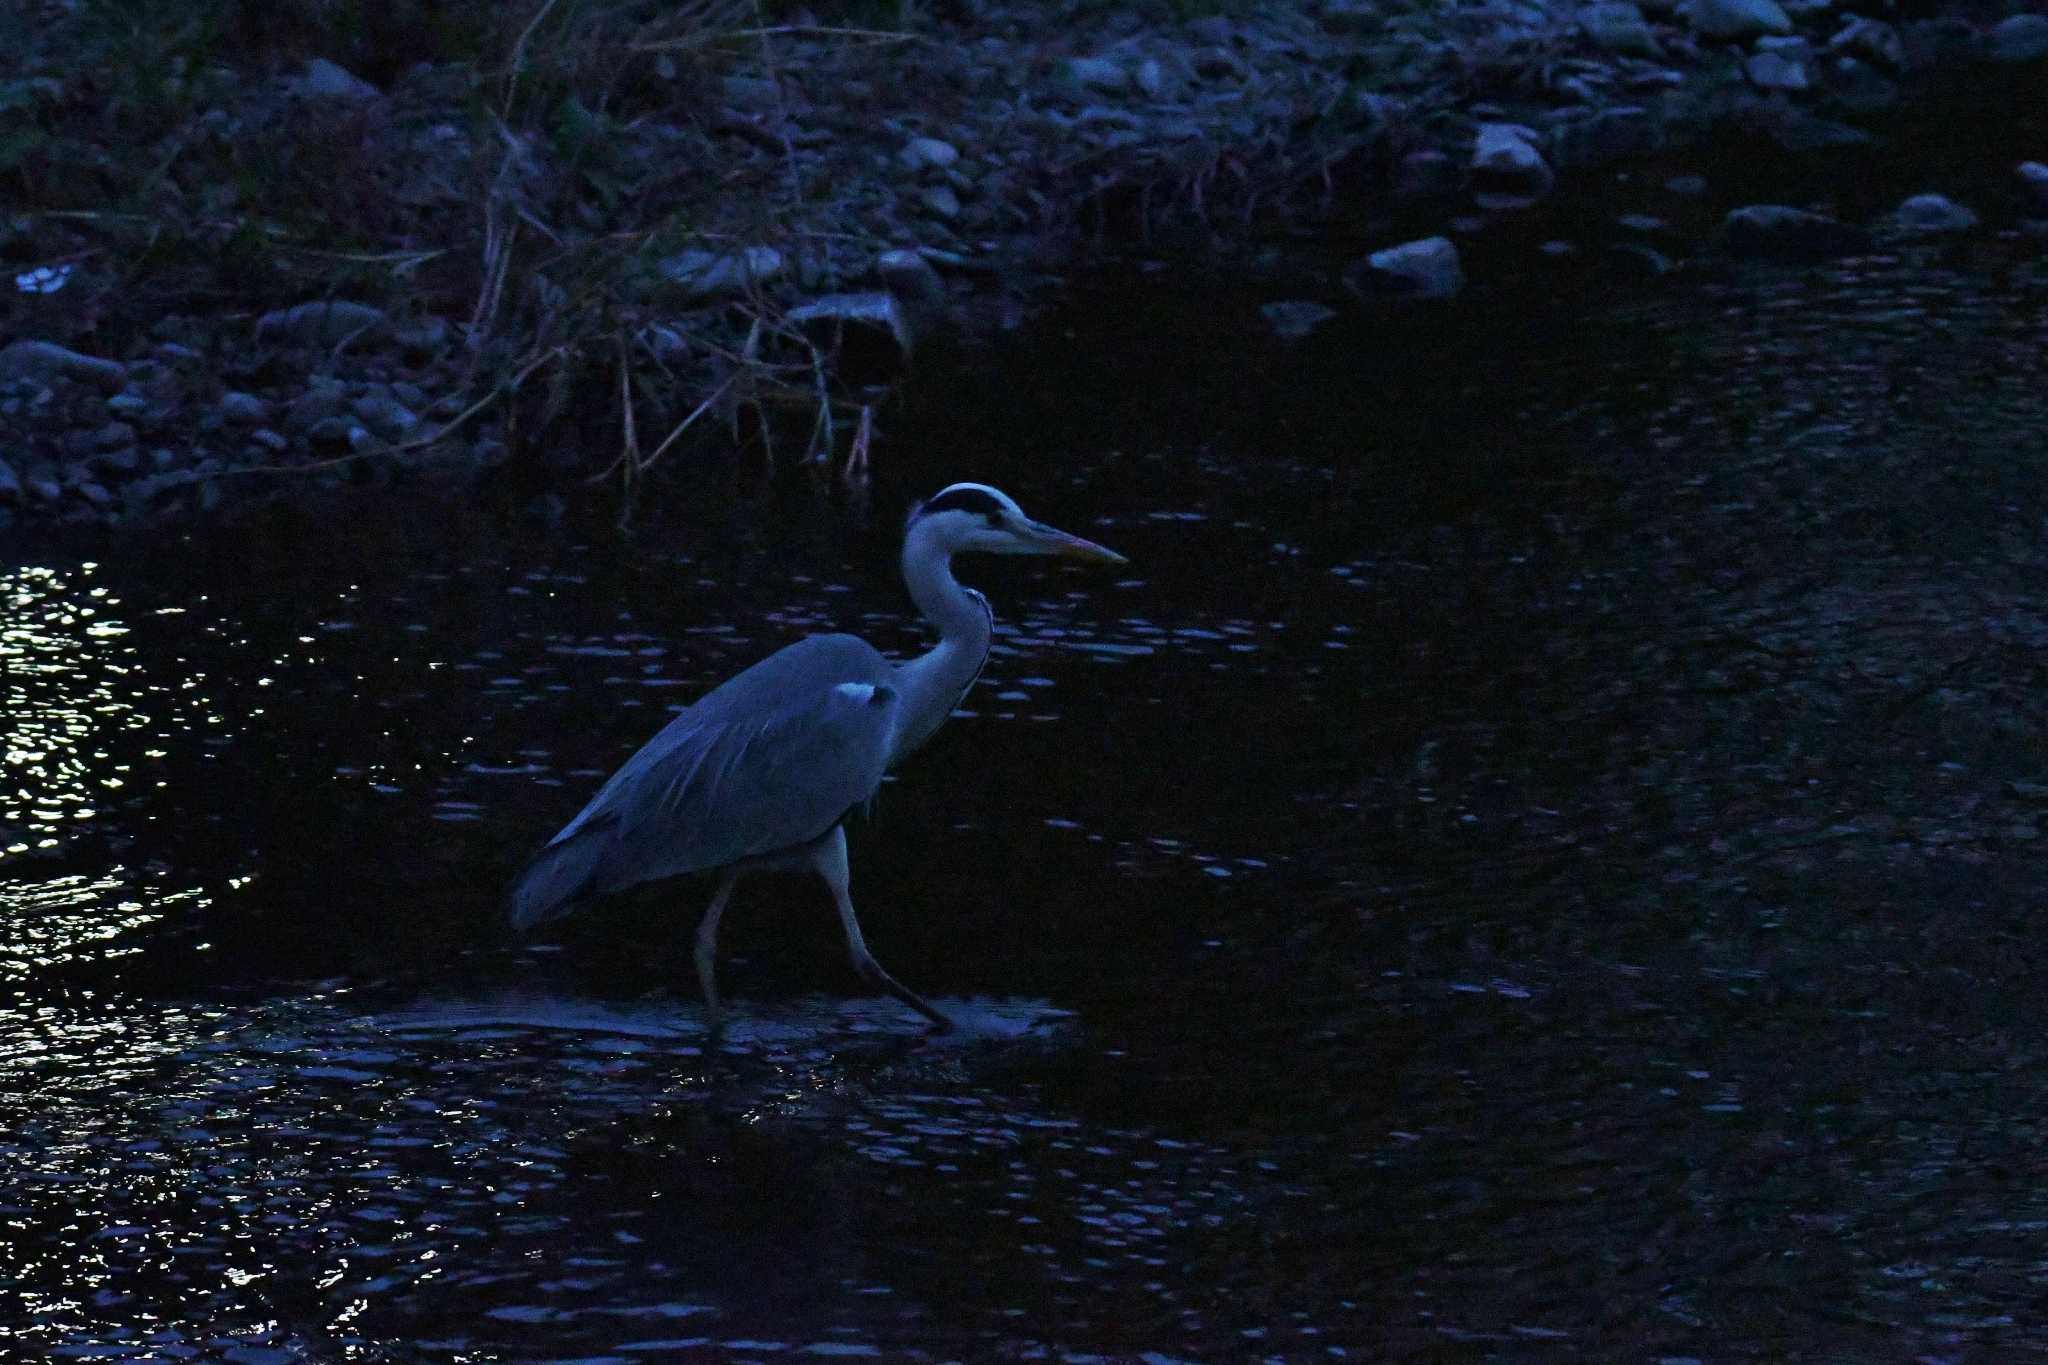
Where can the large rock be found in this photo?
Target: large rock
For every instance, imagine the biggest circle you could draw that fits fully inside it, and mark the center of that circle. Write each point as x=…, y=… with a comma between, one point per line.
x=1507, y=170
x=41, y=360
x=1780, y=230
x=1929, y=215
x=2022, y=38
x=1427, y=269
x=1738, y=20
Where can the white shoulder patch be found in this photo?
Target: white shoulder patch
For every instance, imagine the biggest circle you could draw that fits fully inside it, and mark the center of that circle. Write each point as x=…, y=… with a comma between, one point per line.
x=859, y=693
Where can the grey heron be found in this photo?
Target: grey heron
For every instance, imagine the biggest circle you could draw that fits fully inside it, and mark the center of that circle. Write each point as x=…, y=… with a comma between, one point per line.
x=761, y=772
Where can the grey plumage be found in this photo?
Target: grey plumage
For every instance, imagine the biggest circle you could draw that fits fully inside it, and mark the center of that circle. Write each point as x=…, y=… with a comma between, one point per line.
x=728, y=780
x=761, y=771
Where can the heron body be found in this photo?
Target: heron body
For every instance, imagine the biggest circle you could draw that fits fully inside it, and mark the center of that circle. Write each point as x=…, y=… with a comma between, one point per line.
x=761, y=772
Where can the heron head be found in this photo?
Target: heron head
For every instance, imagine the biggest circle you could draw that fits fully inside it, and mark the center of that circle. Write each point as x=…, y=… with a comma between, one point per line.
x=973, y=516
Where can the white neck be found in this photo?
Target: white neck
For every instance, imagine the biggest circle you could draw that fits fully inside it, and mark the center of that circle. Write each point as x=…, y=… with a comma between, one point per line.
x=934, y=682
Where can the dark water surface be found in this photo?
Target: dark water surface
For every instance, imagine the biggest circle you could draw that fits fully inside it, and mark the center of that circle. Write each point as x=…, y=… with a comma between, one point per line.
x=1539, y=860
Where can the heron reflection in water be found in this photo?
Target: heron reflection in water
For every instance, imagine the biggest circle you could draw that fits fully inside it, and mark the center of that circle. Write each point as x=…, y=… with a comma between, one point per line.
x=761, y=773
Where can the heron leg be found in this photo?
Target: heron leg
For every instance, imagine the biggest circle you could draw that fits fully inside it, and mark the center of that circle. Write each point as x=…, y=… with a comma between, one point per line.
x=829, y=858
x=707, y=947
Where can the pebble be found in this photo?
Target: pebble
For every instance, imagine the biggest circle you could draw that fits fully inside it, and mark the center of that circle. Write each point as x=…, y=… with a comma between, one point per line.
x=2034, y=186
x=325, y=80
x=1428, y=268
x=1933, y=214
x=1773, y=71
x=2021, y=38
x=1738, y=20
x=386, y=416
x=1292, y=319
x=317, y=404
x=243, y=409
x=941, y=202
x=1507, y=170
x=1098, y=73
x=1780, y=230
x=1619, y=28
x=270, y=440
x=325, y=323
x=1873, y=40
x=928, y=153
x=127, y=404
x=47, y=360
x=10, y=482
x=113, y=436
x=709, y=274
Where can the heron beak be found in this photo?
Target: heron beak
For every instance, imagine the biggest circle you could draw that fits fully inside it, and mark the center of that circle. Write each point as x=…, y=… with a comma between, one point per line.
x=1045, y=540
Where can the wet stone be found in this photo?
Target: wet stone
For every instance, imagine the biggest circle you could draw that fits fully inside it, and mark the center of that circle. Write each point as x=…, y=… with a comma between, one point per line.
x=243, y=409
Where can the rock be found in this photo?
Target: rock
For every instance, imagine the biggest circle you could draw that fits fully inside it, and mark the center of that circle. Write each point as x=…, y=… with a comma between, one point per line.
x=1800, y=132
x=47, y=360
x=243, y=409
x=1780, y=230
x=1426, y=269
x=1928, y=215
x=118, y=460
x=940, y=202
x=709, y=274
x=1637, y=260
x=332, y=431
x=2034, y=188
x=2022, y=38
x=424, y=336
x=753, y=94
x=326, y=323
x=912, y=282
x=1293, y=319
x=1773, y=71
x=113, y=435
x=316, y=405
x=10, y=483
x=270, y=440
x=1688, y=185
x=1738, y=20
x=1151, y=78
x=1425, y=174
x=928, y=153
x=1619, y=28
x=1097, y=73
x=1873, y=40
x=1507, y=170
x=1620, y=132
x=1859, y=88
x=865, y=338
x=386, y=416
x=95, y=493
x=324, y=80
x=128, y=404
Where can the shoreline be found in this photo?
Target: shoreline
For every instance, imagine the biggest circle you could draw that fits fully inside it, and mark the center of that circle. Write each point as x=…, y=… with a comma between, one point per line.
x=555, y=269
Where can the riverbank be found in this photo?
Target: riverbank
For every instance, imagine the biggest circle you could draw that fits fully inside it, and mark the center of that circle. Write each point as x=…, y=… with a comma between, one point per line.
x=263, y=251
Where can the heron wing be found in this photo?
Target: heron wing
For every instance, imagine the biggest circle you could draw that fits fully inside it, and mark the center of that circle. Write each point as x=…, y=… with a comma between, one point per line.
x=770, y=760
